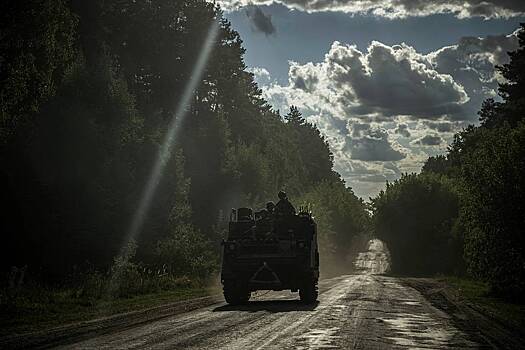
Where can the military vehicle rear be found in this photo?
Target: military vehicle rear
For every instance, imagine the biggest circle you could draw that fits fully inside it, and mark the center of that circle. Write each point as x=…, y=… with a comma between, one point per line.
x=270, y=253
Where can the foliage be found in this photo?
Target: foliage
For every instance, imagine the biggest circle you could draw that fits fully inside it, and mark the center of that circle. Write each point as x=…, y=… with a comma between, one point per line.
x=36, y=48
x=487, y=163
x=415, y=216
x=100, y=89
x=492, y=214
x=36, y=307
x=480, y=297
x=343, y=224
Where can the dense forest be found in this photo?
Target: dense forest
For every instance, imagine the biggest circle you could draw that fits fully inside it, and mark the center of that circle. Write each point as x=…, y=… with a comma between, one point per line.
x=465, y=212
x=88, y=91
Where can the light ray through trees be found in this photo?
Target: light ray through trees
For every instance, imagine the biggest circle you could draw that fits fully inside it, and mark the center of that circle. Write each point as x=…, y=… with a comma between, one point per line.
x=166, y=150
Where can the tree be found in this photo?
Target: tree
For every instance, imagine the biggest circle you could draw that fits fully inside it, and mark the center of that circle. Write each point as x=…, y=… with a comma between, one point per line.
x=494, y=114
x=37, y=47
x=105, y=93
x=294, y=117
x=416, y=216
x=492, y=210
x=486, y=163
x=343, y=224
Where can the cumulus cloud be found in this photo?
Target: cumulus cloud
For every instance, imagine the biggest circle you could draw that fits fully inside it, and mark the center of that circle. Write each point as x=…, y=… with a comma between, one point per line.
x=471, y=62
x=402, y=129
x=398, y=8
x=359, y=128
x=260, y=21
x=304, y=77
x=383, y=82
x=393, y=80
x=442, y=126
x=389, y=104
x=429, y=140
x=373, y=146
x=261, y=75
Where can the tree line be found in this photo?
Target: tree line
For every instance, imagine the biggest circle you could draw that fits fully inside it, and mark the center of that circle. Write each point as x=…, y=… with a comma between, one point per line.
x=87, y=91
x=465, y=212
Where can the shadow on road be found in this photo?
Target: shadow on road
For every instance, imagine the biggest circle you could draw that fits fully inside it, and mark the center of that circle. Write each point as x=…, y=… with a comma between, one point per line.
x=269, y=305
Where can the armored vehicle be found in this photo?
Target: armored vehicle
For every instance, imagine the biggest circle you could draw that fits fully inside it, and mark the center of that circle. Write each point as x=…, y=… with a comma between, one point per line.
x=265, y=252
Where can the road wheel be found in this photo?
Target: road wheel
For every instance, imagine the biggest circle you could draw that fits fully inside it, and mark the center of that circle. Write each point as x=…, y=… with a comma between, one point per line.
x=234, y=294
x=308, y=292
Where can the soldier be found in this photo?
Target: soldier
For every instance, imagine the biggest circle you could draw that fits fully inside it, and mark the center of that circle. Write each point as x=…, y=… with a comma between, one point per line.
x=265, y=219
x=270, y=207
x=284, y=207
x=266, y=213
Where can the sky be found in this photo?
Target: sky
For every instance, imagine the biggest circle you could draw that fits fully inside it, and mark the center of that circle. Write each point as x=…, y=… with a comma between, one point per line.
x=388, y=82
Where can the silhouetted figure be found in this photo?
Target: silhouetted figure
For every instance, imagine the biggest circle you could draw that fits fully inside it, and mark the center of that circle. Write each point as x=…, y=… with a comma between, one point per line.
x=265, y=220
x=270, y=208
x=267, y=213
x=284, y=207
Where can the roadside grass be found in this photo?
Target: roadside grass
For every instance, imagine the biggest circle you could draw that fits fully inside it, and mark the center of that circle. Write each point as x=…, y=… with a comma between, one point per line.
x=37, y=308
x=478, y=294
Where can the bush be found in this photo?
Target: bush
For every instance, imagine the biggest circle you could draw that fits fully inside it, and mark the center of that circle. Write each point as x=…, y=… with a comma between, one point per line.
x=493, y=207
x=416, y=217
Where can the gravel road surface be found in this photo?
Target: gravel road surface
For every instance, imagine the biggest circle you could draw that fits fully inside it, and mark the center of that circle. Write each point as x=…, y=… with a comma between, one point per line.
x=362, y=311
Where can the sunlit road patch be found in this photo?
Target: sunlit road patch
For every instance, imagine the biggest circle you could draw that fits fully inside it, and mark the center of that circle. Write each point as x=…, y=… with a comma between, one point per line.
x=374, y=261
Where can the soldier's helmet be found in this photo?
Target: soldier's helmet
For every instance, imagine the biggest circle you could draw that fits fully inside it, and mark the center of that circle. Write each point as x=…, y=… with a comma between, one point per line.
x=282, y=195
x=270, y=206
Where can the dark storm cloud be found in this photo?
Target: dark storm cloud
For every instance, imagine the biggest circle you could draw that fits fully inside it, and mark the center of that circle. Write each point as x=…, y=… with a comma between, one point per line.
x=399, y=8
x=402, y=129
x=392, y=81
x=471, y=62
x=440, y=126
x=260, y=21
x=374, y=146
x=429, y=140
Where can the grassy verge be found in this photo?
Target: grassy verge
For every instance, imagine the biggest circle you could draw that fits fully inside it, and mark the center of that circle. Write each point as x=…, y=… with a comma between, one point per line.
x=478, y=295
x=40, y=308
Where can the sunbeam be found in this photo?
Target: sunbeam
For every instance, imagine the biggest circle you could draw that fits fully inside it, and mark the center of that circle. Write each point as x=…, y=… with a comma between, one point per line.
x=167, y=147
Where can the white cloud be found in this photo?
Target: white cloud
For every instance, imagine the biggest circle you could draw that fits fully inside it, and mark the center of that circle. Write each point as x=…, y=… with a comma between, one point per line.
x=402, y=129
x=261, y=75
x=381, y=83
x=385, y=109
x=391, y=80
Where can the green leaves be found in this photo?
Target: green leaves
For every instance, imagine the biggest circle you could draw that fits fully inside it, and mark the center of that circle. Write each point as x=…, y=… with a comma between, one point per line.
x=343, y=224
x=486, y=164
x=415, y=216
x=493, y=207
x=100, y=80
x=37, y=46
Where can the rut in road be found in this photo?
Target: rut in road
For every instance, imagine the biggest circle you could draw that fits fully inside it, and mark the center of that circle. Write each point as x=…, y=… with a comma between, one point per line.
x=354, y=312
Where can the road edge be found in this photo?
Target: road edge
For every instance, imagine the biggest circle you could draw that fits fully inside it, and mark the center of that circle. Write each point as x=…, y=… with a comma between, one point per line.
x=70, y=333
x=470, y=318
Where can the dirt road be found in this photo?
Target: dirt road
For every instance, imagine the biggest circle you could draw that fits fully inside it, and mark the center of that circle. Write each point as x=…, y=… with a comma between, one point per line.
x=354, y=312
x=364, y=311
